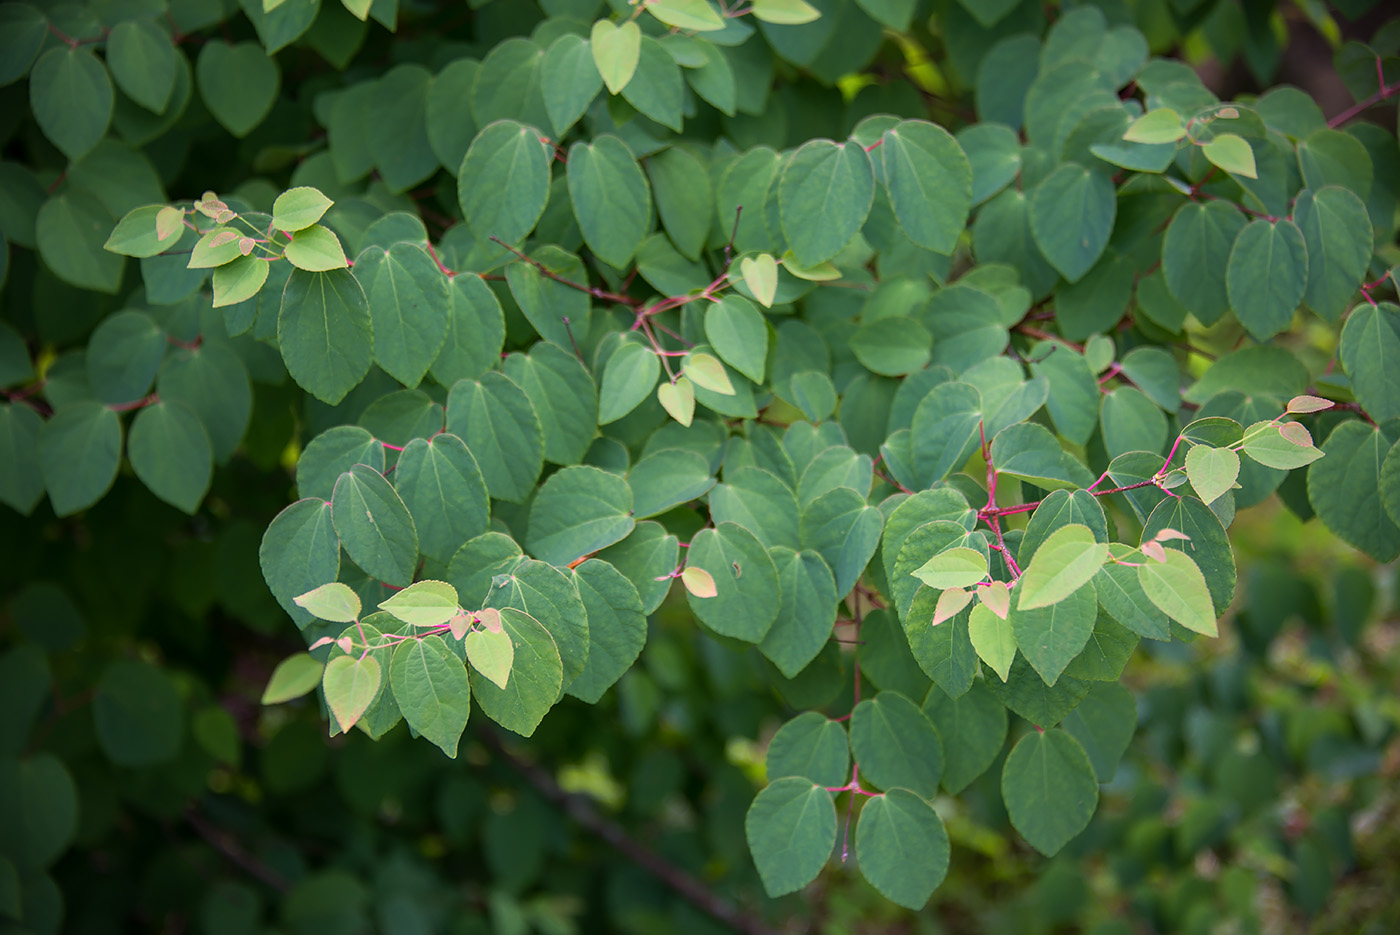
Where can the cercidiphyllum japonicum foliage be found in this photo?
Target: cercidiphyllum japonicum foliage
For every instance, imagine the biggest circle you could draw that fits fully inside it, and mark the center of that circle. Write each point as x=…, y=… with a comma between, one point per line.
x=574, y=299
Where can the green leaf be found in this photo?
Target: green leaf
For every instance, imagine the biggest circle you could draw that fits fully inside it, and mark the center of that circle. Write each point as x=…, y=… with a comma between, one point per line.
x=507, y=85
x=791, y=829
x=945, y=430
x=1196, y=254
x=578, y=511
x=1267, y=276
x=423, y=604
x=994, y=153
x=929, y=181
x=299, y=551
x=350, y=685
x=806, y=614
x=1179, y=590
x=1212, y=471
x=1162, y=125
x=21, y=479
x=170, y=451
x=215, y=248
x=294, y=676
x=498, y=423
x=666, y=478
x=491, y=654
x=1050, y=789
x=298, y=208
x=569, y=80
x=1104, y=723
x=1259, y=369
x=396, y=118
x=956, y=568
x=70, y=231
x=476, y=331
x=536, y=677
x=1064, y=563
x=1208, y=545
x=80, y=449
x=1051, y=636
x=332, y=453
x=239, y=83
x=896, y=745
x=124, y=353
x=646, y=558
x=628, y=378
x=1028, y=450
x=324, y=332
x=1331, y=157
x=972, y=728
x=1338, y=235
x=749, y=595
x=944, y=652
x=714, y=80
x=902, y=847
x=335, y=602
x=409, y=308
x=616, y=51
x=739, y=334
x=374, y=526
x=450, y=126
x=283, y=23
x=824, y=196
x=657, y=89
x=1370, y=353
x=993, y=638
x=315, y=249
x=892, y=347
x=1071, y=216
x=810, y=747
x=137, y=713
x=684, y=199
x=71, y=96
x=444, y=490
x=760, y=502
x=611, y=198
x=1231, y=153
x=142, y=60
x=617, y=627
x=1266, y=443
x=686, y=14
x=1344, y=487
x=22, y=33
x=503, y=184
x=431, y=688
x=845, y=531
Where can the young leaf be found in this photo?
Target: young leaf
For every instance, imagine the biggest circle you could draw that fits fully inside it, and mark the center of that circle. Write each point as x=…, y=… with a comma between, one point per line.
x=1162, y=125
x=784, y=12
x=299, y=208
x=141, y=234
x=294, y=676
x=698, y=581
x=760, y=274
x=616, y=51
x=1066, y=561
x=997, y=597
x=423, y=604
x=350, y=685
x=686, y=14
x=239, y=280
x=1231, y=153
x=678, y=399
x=993, y=639
x=315, y=249
x=335, y=602
x=491, y=654
x=950, y=604
x=1178, y=589
x=958, y=567
x=1303, y=404
x=1212, y=470
x=706, y=372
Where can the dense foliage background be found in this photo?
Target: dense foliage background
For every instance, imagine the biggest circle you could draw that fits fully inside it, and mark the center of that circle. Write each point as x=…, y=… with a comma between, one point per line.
x=1056, y=288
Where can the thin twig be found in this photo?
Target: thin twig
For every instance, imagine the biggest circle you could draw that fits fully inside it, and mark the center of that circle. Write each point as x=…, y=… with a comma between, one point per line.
x=581, y=810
